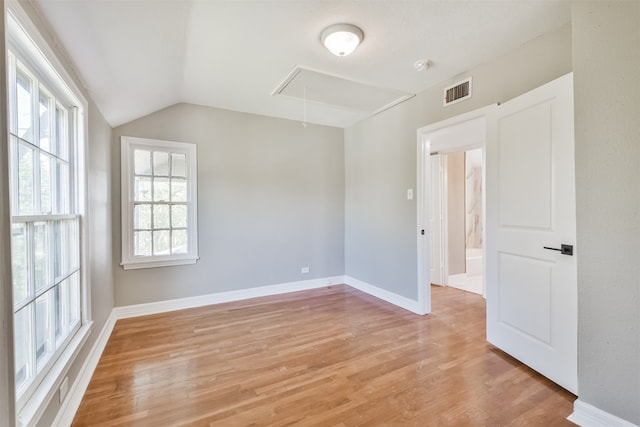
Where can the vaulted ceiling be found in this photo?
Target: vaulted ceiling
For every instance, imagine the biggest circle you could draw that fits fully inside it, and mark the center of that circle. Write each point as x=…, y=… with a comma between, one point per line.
x=138, y=56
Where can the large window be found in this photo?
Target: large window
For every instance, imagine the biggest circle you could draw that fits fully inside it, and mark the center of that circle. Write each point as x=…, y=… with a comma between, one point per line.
x=159, y=188
x=46, y=211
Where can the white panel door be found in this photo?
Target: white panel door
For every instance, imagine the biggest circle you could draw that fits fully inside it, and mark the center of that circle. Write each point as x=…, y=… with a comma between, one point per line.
x=532, y=291
x=435, y=222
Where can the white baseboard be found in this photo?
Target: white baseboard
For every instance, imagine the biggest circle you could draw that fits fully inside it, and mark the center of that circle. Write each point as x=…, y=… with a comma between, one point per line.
x=586, y=415
x=383, y=294
x=217, y=298
x=71, y=403
x=127, y=311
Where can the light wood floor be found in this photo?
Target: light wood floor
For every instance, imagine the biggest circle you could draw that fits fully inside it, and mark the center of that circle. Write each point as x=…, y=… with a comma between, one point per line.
x=327, y=357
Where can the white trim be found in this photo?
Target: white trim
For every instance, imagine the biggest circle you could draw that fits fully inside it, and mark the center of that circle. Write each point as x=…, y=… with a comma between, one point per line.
x=152, y=264
x=444, y=216
x=7, y=373
x=423, y=207
x=423, y=176
x=128, y=144
x=393, y=103
x=29, y=45
x=41, y=54
x=221, y=297
x=34, y=408
x=586, y=415
x=71, y=403
x=127, y=311
x=385, y=295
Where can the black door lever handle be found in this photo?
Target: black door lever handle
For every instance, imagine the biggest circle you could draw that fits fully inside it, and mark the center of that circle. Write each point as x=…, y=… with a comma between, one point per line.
x=564, y=249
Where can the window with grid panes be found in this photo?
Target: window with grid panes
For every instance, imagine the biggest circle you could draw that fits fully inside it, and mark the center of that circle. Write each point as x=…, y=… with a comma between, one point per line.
x=159, y=211
x=45, y=221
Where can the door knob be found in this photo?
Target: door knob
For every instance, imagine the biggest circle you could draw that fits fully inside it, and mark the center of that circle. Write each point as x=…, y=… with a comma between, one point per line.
x=564, y=249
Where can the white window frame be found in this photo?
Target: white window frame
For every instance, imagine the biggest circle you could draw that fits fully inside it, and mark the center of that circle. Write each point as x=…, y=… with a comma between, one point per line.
x=26, y=43
x=129, y=259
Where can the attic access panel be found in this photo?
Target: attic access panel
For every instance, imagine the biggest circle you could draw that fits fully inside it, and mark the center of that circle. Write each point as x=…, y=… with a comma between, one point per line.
x=337, y=91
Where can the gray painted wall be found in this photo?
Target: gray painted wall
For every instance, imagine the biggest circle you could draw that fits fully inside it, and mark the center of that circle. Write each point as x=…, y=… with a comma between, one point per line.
x=456, y=213
x=606, y=64
x=270, y=201
x=380, y=159
x=100, y=204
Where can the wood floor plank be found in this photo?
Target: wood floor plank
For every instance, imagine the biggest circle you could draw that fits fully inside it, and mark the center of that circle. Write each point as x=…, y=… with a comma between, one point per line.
x=326, y=357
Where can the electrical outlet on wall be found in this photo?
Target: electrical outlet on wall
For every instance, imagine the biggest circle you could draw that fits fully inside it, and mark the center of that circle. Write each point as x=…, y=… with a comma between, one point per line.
x=304, y=270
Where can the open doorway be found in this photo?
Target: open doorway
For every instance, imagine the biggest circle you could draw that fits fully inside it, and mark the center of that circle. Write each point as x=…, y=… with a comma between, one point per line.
x=464, y=222
x=442, y=247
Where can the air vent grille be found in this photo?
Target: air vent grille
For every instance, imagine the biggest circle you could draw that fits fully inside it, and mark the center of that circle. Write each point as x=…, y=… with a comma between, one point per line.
x=458, y=92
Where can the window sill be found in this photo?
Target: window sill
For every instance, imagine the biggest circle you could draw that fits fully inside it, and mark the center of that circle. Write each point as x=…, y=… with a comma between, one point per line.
x=158, y=263
x=36, y=405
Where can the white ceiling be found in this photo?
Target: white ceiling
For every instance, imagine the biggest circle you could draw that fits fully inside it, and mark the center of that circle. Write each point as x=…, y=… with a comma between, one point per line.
x=138, y=56
x=309, y=85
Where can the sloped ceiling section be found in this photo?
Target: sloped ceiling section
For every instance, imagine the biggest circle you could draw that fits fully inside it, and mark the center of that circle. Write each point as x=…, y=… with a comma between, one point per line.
x=130, y=54
x=139, y=56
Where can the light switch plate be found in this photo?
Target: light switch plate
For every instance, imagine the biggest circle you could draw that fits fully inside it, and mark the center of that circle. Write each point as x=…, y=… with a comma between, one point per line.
x=409, y=193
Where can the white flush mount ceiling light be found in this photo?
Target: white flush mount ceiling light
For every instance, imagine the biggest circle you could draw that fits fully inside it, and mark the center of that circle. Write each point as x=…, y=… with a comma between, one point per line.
x=422, y=64
x=341, y=39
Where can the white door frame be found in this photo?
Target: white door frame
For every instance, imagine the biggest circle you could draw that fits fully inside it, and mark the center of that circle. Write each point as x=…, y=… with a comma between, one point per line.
x=423, y=203
x=437, y=211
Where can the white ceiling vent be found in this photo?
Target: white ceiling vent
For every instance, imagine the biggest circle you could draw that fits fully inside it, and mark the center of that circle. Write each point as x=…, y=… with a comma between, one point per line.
x=457, y=92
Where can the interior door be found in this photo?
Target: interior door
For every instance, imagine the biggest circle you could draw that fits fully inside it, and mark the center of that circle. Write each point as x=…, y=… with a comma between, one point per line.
x=531, y=286
x=435, y=222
